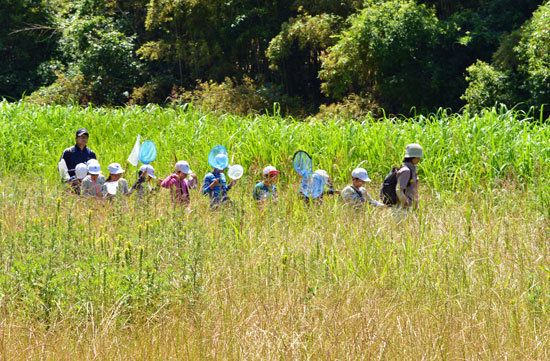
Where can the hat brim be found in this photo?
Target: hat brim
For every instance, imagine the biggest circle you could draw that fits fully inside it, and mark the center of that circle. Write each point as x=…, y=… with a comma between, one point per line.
x=188, y=171
x=95, y=173
x=273, y=172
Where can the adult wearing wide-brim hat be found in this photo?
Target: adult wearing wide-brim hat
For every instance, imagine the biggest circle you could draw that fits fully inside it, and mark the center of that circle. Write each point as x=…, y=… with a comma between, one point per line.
x=79, y=153
x=407, y=179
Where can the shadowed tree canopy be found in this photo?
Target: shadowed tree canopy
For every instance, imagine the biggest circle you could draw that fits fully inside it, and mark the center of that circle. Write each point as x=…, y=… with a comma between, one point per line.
x=389, y=54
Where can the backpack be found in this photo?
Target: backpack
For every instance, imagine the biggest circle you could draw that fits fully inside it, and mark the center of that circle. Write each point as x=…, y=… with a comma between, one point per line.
x=388, y=195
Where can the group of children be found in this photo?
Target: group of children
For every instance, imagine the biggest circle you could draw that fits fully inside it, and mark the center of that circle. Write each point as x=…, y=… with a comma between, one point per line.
x=400, y=188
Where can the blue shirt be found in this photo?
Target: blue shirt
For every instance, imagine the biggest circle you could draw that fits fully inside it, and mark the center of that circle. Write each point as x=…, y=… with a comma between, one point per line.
x=219, y=192
x=74, y=156
x=263, y=191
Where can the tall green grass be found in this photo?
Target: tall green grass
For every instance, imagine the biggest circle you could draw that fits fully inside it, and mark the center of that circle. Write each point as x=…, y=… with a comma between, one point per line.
x=462, y=151
x=466, y=277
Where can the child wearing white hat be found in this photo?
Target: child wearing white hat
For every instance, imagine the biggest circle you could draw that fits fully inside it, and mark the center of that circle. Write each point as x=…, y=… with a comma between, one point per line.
x=180, y=182
x=266, y=189
x=141, y=186
x=329, y=187
x=356, y=193
x=81, y=171
x=93, y=184
x=115, y=184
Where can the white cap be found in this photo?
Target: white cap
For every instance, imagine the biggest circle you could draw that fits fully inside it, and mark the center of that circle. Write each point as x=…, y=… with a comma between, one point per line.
x=270, y=170
x=183, y=167
x=148, y=169
x=323, y=173
x=93, y=167
x=81, y=170
x=360, y=173
x=115, y=168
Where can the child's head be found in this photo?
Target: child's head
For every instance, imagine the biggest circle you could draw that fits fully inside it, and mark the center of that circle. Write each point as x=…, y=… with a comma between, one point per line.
x=324, y=174
x=359, y=177
x=182, y=169
x=94, y=169
x=271, y=174
x=148, y=171
x=115, y=171
x=413, y=153
x=81, y=170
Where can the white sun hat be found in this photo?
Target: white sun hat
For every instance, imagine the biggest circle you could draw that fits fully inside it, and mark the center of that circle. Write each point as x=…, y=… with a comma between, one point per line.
x=94, y=167
x=322, y=173
x=183, y=167
x=81, y=170
x=115, y=168
x=148, y=169
x=360, y=173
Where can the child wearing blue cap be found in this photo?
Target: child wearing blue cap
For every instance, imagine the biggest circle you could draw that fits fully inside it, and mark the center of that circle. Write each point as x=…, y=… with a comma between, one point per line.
x=215, y=184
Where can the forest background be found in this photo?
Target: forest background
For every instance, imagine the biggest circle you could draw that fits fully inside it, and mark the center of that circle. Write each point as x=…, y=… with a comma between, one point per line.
x=349, y=57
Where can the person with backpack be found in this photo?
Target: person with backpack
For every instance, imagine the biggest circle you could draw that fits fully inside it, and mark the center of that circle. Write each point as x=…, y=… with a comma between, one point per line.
x=356, y=193
x=400, y=187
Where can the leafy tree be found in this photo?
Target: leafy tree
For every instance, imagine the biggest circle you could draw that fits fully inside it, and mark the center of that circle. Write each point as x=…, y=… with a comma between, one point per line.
x=487, y=86
x=211, y=40
x=97, y=48
x=295, y=53
x=387, y=51
x=534, y=54
x=520, y=71
x=103, y=55
x=26, y=41
x=341, y=8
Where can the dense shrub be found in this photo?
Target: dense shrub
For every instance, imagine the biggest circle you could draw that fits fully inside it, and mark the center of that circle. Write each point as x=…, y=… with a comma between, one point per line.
x=487, y=86
x=231, y=96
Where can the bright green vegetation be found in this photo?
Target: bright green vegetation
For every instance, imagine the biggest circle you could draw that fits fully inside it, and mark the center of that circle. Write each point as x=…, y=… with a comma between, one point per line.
x=465, y=277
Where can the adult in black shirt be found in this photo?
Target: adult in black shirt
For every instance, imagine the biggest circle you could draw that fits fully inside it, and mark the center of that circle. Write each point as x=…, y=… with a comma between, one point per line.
x=79, y=153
